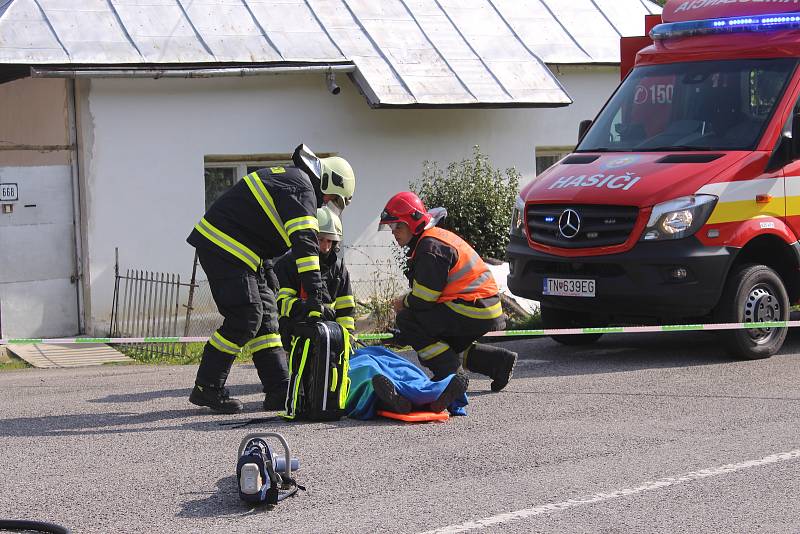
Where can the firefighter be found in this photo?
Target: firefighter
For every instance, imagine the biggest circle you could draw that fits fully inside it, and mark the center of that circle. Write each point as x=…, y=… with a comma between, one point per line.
x=258, y=219
x=337, y=295
x=453, y=300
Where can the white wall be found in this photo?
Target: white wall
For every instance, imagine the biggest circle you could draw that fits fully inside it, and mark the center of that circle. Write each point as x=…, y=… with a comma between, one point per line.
x=145, y=140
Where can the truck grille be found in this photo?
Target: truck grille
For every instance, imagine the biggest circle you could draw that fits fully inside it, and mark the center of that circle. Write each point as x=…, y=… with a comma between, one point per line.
x=580, y=226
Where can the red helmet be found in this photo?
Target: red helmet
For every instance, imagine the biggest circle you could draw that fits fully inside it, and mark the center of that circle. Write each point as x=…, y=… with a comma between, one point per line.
x=406, y=207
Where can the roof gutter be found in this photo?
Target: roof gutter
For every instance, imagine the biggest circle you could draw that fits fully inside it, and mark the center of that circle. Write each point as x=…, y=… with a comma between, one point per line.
x=44, y=72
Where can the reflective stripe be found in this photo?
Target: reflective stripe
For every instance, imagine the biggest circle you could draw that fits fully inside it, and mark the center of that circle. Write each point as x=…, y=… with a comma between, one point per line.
x=424, y=293
x=223, y=345
x=263, y=197
x=314, y=314
x=347, y=322
x=309, y=263
x=478, y=282
x=492, y=312
x=286, y=292
x=465, y=269
x=286, y=306
x=346, y=301
x=227, y=243
x=301, y=223
x=264, y=342
x=295, y=380
x=432, y=350
x=277, y=170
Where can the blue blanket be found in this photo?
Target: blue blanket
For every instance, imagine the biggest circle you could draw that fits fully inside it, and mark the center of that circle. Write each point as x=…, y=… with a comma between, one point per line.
x=409, y=380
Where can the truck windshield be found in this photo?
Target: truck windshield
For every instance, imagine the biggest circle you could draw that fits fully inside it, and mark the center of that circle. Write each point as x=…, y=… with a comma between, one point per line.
x=706, y=105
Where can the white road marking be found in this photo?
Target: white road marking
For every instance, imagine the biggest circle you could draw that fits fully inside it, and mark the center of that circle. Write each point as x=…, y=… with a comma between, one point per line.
x=599, y=497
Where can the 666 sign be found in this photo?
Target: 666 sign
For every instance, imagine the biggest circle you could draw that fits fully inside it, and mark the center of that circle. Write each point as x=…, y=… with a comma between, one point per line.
x=8, y=192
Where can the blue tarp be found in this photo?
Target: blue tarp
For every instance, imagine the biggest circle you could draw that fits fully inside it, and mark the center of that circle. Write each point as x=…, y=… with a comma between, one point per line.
x=409, y=380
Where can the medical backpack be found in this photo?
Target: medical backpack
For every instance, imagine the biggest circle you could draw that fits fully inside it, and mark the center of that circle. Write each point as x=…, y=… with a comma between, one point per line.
x=319, y=359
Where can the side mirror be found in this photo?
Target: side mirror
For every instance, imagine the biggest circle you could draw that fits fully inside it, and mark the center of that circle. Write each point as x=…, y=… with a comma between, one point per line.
x=583, y=127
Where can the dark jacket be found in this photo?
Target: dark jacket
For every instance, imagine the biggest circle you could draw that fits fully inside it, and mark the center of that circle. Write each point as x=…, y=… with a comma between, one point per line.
x=243, y=214
x=337, y=292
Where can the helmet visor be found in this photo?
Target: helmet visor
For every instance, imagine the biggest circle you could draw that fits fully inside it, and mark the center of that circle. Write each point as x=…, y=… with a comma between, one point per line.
x=336, y=205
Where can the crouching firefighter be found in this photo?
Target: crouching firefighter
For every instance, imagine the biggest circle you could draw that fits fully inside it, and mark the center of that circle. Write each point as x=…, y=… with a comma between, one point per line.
x=337, y=295
x=453, y=301
x=258, y=219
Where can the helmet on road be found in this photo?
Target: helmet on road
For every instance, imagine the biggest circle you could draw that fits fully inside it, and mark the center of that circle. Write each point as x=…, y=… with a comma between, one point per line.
x=405, y=207
x=330, y=226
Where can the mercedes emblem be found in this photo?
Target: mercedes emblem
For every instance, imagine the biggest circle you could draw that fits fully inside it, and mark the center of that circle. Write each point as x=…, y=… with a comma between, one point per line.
x=569, y=223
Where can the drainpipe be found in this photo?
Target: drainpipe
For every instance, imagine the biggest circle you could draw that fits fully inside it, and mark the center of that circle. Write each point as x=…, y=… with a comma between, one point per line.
x=77, y=277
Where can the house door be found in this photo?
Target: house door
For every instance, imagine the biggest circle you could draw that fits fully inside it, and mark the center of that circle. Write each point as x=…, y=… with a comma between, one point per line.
x=38, y=285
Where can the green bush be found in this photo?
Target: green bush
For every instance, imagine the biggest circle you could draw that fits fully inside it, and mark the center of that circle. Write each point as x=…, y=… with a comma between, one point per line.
x=478, y=198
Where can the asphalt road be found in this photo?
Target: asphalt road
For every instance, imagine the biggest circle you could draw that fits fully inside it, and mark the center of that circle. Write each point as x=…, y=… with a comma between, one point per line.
x=637, y=433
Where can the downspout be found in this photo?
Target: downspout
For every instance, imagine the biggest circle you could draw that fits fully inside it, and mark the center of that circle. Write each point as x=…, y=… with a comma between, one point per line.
x=77, y=277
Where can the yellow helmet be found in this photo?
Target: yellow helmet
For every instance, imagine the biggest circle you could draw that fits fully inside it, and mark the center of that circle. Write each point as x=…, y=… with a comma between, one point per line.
x=330, y=226
x=338, y=179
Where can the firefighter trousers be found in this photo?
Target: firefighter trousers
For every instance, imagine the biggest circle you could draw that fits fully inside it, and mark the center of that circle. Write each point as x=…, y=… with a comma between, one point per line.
x=439, y=334
x=246, y=300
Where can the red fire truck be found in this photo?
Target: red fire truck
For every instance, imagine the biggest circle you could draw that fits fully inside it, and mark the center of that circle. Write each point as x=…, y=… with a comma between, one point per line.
x=681, y=202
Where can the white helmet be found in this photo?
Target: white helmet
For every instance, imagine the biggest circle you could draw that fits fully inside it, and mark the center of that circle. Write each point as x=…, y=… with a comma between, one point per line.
x=330, y=226
x=329, y=176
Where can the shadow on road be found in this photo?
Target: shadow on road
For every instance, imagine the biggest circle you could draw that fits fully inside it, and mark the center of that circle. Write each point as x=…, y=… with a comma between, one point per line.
x=628, y=352
x=143, y=396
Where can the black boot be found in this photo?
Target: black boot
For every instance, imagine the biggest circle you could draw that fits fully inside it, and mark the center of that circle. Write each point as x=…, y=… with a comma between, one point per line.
x=494, y=362
x=274, y=375
x=457, y=387
x=388, y=395
x=443, y=365
x=217, y=399
x=275, y=398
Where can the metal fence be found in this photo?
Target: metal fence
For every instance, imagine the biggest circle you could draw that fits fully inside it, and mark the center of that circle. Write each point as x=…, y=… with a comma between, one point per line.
x=154, y=304
x=147, y=304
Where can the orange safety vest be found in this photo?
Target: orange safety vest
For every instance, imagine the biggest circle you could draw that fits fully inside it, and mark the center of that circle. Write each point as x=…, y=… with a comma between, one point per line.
x=470, y=278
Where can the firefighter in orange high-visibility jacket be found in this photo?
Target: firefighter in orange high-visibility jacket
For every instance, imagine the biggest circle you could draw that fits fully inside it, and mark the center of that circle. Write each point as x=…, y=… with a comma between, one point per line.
x=259, y=218
x=337, y=295
x=453, y=301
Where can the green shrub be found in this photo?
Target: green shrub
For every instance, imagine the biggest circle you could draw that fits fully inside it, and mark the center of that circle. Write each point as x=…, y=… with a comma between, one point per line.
x=478, y=198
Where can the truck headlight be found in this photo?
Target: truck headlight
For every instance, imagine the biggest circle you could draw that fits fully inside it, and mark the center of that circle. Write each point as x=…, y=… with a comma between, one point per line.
x=518, y=218
x=679, y=218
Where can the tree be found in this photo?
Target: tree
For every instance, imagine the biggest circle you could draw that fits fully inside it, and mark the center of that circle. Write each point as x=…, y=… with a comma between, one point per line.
x=478, y=199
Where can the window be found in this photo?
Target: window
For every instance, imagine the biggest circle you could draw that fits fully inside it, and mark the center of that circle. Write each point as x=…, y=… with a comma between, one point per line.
x=703, y=105
x=546, y=157
x=221, y=172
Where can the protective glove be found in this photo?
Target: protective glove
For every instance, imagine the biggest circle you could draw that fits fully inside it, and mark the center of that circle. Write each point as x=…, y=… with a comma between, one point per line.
x=397, y=339
x=313, y=311
x=328, y=313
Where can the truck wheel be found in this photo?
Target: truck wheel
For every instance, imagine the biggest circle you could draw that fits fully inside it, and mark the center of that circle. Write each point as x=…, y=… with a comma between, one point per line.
x=753, y=294
x=557, y=318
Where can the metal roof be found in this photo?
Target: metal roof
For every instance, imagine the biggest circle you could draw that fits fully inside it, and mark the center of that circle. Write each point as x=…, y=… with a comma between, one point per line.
x=405, y=52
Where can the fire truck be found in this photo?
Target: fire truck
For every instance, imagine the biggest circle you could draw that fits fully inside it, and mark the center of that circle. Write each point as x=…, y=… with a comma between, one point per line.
x=681, y=202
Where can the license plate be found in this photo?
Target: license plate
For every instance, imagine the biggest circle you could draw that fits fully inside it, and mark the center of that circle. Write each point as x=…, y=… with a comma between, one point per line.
x=569, y=287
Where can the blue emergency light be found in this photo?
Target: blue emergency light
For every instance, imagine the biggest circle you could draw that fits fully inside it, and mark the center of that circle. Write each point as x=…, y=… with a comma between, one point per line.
x=727, y=25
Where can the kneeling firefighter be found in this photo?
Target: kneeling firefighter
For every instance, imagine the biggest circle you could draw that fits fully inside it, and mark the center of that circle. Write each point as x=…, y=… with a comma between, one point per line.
x=258, y=219
x=453, y=301
x=337, y=295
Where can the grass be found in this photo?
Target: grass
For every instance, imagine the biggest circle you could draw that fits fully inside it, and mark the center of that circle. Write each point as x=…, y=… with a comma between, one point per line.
x=12, y=363
x=174, y=354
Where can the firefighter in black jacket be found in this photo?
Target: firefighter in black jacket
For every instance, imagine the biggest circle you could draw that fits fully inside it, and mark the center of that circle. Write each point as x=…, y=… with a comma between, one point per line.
x=453, y=301
x=258, y=219
x=337, y=294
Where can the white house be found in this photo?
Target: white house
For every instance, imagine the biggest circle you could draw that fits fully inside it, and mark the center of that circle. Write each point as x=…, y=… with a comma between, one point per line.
x=120, y=119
